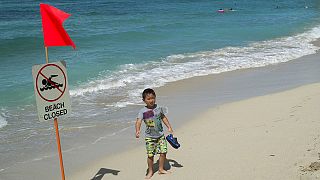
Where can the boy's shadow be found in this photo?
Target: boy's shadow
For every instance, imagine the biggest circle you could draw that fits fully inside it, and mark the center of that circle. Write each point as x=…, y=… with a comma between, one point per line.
x=104, y=171
x=167, y=165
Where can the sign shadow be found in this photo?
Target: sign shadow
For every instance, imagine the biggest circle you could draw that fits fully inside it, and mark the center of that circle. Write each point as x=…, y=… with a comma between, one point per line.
x=104, y=171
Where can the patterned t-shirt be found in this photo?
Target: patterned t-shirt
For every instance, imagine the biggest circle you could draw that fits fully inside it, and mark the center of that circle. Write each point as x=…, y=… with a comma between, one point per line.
x=153, y=121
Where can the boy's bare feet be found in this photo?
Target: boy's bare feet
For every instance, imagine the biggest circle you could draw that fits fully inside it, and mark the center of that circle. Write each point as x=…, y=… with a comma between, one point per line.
x=164, y=172
x=149, y=175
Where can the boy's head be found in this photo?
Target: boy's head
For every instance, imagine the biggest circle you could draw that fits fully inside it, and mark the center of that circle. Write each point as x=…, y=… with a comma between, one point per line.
x=149, y=97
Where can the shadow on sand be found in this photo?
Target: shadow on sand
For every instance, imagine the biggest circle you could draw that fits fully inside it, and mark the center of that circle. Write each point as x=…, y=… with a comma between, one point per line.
x=167, y=165
x=104, y=171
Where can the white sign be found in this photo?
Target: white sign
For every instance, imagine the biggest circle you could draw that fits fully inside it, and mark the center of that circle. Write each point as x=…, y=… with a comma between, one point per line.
x=51, y=90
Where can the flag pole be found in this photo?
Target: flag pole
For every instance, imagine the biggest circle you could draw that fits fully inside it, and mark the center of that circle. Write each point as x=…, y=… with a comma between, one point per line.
x=57, y=130
x=47, y=55
x=59, y=148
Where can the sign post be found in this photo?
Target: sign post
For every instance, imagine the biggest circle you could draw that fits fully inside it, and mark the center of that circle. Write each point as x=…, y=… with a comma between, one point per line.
x=50, y=80
x=52, y=96
x=59, y=148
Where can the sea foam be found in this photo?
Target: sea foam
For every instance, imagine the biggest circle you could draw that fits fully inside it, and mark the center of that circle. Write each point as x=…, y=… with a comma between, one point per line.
x=131, y=79
x=3, y=121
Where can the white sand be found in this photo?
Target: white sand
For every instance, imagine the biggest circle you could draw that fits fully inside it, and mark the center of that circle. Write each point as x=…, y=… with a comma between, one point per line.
x=275, y=136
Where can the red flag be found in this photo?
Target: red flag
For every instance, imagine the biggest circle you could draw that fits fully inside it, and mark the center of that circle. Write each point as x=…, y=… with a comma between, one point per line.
x=53, y=31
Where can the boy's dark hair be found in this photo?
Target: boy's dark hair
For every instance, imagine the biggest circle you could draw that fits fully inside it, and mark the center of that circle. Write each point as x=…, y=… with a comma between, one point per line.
x=146, y=92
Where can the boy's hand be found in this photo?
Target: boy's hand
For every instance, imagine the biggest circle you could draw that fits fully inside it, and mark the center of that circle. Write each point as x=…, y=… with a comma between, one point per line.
x=137, y=134
x=138, y=125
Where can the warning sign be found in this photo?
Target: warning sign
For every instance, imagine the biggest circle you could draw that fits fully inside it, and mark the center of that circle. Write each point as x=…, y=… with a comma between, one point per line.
x=51, y=90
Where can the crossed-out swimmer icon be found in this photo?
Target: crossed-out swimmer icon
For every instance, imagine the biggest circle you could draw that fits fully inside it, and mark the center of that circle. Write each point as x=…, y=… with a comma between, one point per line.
x=50, y=84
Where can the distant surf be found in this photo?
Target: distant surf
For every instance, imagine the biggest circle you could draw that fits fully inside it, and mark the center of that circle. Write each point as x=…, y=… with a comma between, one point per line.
x=131, y=79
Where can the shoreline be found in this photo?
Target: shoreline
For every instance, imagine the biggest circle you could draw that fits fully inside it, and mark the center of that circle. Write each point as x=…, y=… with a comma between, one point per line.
x=207, y=92
x=186, y=100
x=212, y=90
x=237, y=140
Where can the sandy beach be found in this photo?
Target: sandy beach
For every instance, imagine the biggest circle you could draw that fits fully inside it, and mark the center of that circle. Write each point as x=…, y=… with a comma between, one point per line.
x=274, y=136
x=258, y=123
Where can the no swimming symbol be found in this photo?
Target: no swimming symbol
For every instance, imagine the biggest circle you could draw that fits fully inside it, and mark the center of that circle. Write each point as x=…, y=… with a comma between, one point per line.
x=51, y=82
x=51, y=90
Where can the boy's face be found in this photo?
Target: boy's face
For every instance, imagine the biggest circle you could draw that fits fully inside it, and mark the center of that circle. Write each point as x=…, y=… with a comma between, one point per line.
x=150, y=100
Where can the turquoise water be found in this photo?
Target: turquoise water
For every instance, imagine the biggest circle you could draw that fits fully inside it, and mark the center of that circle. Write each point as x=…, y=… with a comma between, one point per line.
x=115, y=33
x=124, y=46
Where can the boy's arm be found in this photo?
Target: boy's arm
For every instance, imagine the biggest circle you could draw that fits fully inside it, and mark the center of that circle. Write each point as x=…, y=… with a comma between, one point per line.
x=167, y=123
x=138, y=126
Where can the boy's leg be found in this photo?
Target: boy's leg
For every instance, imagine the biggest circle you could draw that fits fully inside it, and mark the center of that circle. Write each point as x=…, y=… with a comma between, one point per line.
x=162, y=159
x=163, y=152
x=150, y=146
x=150, y=167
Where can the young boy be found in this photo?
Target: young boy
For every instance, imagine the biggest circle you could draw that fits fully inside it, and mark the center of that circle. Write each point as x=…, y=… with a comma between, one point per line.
x=153, y=116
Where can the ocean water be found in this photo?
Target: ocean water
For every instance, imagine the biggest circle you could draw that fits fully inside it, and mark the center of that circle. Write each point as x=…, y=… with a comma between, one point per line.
x=124, y=46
